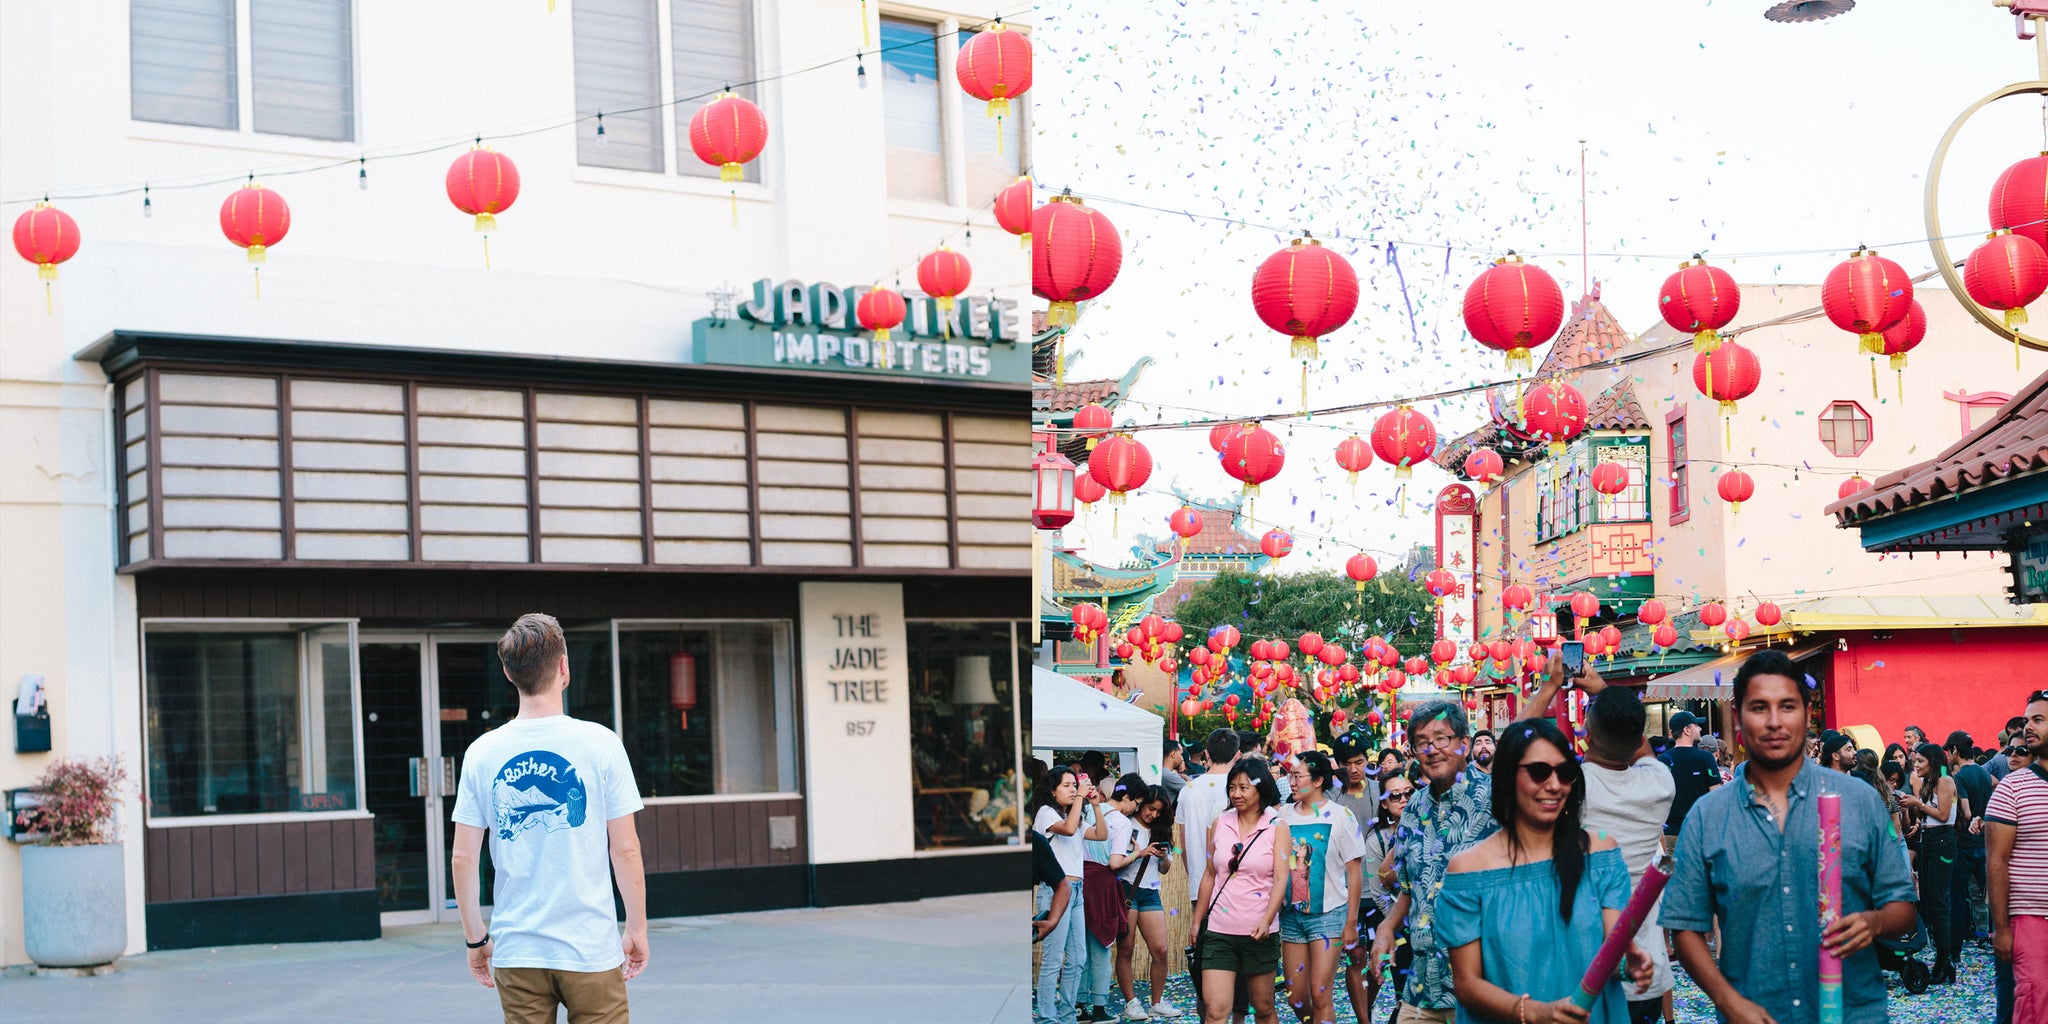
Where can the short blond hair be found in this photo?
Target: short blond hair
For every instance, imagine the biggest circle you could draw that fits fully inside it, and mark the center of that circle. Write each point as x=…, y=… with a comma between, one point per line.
x=530, y=650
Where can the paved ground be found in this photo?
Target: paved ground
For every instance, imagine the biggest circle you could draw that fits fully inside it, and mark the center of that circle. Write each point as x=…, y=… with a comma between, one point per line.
x=959, y=959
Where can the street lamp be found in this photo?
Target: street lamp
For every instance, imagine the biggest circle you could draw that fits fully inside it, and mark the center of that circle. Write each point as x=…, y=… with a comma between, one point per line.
x=1052, y=489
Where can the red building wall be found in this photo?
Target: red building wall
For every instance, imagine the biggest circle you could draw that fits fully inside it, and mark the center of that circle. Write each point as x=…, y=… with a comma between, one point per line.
x=1938, y=679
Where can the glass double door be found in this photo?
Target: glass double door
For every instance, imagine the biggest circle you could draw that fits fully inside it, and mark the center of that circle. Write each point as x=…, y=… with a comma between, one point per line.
x=426, y=697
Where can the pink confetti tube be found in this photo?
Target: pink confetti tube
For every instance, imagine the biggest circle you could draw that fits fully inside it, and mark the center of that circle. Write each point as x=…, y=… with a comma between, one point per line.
x=1624, y=933
x=1830, y=807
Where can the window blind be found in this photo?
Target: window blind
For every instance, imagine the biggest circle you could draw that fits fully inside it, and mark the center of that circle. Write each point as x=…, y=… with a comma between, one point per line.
x=910, y=109
x=181, y=62
x=713, y=48
x=301, y=59
x=618, y=71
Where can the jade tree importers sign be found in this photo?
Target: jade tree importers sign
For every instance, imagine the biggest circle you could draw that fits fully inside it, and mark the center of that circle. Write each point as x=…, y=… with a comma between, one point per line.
x=798, y=326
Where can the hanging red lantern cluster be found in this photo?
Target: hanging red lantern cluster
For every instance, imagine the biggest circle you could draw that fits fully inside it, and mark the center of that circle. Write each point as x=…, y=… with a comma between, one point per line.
x=1403, y=438
x=1700, y=299
x=1075, y=256
x=1013, y=209
x=1735, y=487
x=1276, y=544
x=46, y=236
x=1552, y=411
x=1305, y=291
x=1221, y=433
x=880, y=310
x=1484, y=465
x=1089, y=622
x=1865, y=295
x=1092, y=422
x=995, y=66
x=2019, y=200
x=1514, y=307
x=1361, y=568
x=1253, y=455
x=483, y=183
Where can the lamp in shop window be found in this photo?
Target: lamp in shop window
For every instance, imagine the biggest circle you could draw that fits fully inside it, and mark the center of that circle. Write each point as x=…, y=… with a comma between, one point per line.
x=971, y=681
x=682, y=685
x=1052, y=490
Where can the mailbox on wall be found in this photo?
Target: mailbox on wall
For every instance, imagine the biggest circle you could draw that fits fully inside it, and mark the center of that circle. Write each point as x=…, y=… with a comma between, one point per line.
x=31, y=717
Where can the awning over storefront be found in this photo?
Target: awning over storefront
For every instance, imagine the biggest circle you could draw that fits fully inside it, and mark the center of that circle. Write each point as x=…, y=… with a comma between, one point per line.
x=1067, y=714
x=1715, y=680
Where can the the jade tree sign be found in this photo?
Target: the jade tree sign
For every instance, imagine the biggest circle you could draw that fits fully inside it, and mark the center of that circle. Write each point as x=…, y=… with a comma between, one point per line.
x=856, y=711
x=793, y=325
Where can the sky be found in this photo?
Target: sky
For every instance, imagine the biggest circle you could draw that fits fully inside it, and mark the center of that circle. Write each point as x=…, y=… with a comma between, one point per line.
x=1211, y=133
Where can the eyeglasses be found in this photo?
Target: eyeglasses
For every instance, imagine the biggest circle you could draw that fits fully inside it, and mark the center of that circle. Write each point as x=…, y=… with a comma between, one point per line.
x=1541, y=771
x=1398, y=797
x=1442, y=745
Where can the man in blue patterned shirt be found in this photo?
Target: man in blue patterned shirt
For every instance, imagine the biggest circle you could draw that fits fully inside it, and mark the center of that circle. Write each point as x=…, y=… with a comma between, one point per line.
x=1451, y=813
x=1749, y=854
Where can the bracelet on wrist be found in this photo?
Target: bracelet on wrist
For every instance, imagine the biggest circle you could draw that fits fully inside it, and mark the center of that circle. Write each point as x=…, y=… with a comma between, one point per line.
x=480, y=943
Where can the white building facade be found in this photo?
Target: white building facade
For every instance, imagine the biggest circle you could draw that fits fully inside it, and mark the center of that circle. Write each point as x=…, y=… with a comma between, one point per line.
x=260, y=547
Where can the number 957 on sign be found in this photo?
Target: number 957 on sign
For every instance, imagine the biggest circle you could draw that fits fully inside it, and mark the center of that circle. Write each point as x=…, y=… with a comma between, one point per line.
x=860, y=728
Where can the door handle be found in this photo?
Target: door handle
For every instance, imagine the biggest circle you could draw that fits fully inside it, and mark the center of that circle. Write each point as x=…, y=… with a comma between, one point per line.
x=416, y=767
x=447, y=776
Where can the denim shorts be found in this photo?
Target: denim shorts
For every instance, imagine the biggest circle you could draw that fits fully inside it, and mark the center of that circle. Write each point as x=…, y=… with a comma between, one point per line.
x=1142, y=900
x=1299, y=927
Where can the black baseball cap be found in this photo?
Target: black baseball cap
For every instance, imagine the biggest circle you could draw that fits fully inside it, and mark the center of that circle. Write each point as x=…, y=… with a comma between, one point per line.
x=1682, y=721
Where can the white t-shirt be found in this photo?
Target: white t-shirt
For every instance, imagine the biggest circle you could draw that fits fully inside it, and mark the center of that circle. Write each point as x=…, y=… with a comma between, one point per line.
x=1200, y=804
x=547, y=789
x=1631, y=807
x=1126, y=837
x=1065, y=849
x=1329, y=836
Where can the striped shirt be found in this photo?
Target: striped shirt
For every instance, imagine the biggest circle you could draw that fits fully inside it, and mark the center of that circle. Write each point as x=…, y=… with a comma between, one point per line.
x=2022, y=802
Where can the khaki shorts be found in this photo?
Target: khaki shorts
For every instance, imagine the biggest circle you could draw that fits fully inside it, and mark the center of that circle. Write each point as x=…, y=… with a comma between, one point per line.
x=529, y=995
x=1412, y=1014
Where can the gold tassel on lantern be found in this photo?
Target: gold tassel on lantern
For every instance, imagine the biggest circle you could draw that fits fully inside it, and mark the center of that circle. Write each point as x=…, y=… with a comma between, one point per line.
x=1873, y=343
x=2015, y=317
x=1302, y=347
x=1061, y=314
x=1706, y=341
x=1873, y=376
x=1059, y=369
x=1899, y=368
x=944, y=304
x=486, y=224
x=1518, y=360
x=866, y=40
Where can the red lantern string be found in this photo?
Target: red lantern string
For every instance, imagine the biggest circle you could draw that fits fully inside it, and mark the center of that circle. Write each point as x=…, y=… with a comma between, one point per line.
x=46, y=236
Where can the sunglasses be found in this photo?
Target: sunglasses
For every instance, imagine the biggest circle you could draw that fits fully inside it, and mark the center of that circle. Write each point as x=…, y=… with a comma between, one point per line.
x=1236, y=855
x=1541, y=771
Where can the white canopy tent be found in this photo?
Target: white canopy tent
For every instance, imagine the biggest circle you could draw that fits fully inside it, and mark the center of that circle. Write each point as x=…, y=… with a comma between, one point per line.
x=1067, y=714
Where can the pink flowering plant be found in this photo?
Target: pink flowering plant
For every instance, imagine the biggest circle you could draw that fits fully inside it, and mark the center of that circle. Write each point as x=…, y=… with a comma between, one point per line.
x=77, y=799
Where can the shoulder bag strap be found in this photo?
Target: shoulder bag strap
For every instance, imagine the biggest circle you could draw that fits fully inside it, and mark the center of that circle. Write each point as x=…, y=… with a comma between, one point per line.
x=1226, y=879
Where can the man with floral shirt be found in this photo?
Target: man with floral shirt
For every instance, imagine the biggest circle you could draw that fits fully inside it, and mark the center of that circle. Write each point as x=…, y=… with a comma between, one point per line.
x=1443, y=818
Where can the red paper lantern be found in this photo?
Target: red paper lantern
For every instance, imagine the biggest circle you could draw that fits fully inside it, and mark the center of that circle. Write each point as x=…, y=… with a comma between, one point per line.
x=1866, y=294
x=1305, y=291
x=483, y=183
x=1415, y=667
x=1185, y=521
x=1310, y=644
x=1013, y=209
x=1221, y=432
x=1712, y=614
x=1610, y=637
x=1444, y=651
x=995, y=65
x=1464, y=675
x=1585, y=605
x=1403, y=438
x=1126, y=651
x=1087, y=489
x=1596, y=644
x=1650, y=612
x=1516, y=598
x=1700, y=299
x=1484, y=465
x=2007, y=272
x=1441, y=583
x=1665, y=635
x=1253, y=455
x=1728, y=374
x=1514, y=307
x=1173, y=633
x=1361, y=568
x=880, y=310
x=2019, y=200
x=1737, y=630
x=728, y=133
x=1121, y=465
x=1052, y=490
x=1901, y=337
x=1850, y=487
x=1200, y=656
x=1610, y=478
x=943, y=274
x=1354, y=455
x=1735, y=487
x=1552, y=411
x=46, y=236
x=255, y=218
x=682, y=685
x=1276, y=544
x=1223, y=638
x=1477, y=652
x=1092, y=421
x=1075, y=255
x=1769, y=614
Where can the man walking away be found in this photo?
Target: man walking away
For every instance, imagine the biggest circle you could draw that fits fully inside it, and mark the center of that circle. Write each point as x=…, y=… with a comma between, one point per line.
x=1628, y=797
x=2016, y=846
x=1749, y=855
x=557, y=797
x=1171, y=764
x=1693, y=772
x=1200, y=804
x=1973, y=785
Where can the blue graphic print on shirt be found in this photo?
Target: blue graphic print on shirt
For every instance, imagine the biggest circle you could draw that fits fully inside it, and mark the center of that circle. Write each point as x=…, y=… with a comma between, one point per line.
x=537, y=789
x=1306, y=866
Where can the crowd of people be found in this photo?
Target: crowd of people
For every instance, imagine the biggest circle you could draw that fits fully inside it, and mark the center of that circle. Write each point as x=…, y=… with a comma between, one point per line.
x=1477, y=876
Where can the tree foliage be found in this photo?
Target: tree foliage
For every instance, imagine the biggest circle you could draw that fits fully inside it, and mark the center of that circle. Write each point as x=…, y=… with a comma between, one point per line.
x=1285, y=607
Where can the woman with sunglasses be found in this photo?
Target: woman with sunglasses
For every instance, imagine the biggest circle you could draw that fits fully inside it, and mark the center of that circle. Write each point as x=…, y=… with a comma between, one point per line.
x=1362, y=980
x=1056, y=814
x=1525, y=910
x=1239, y=903
x=1324, y=881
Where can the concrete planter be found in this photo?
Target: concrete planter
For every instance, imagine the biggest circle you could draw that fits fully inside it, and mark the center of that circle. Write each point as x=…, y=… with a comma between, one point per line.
x=74, y=904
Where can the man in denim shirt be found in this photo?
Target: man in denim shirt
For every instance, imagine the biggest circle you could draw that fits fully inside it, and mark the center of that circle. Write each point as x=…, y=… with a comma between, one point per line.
x=1749, y=853
x=1452, y=812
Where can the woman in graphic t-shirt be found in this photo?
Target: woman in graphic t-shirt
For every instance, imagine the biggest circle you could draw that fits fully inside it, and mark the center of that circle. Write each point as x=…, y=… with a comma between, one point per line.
x=1141, y=852
x=1239, y=905
x=1056, y=814
x=1319, y=918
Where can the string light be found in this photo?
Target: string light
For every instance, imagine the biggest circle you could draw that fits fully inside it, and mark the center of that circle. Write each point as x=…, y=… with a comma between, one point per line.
x=145, y=202
x=600, y=129
x=860, y=71
x=362, y=174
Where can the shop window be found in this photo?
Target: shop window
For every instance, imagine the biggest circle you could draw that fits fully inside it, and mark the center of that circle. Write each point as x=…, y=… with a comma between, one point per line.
x=963, y=732
x=1632, y=505
x=1845, y=429
x=992, y=164
x=911, y=100
x=706, y=708
x=713, y=50
x=249, y=719
x=186, y=56
x=618, y=75
x=1674, y=438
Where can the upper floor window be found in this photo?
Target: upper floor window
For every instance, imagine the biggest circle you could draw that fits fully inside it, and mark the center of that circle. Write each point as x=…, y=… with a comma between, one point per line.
x=1674, y=438
x=1845, y=429
x=626, y=73
x=1561, y=493
x=191, y=62
x=1632, y=505
x=913, y=128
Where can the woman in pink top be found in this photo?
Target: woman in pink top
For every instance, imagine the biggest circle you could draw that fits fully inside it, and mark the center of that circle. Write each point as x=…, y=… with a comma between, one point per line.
x=1239, y=935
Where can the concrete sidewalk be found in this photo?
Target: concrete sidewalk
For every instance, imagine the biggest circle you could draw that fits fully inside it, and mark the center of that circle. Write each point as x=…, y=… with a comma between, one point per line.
x=958, y=959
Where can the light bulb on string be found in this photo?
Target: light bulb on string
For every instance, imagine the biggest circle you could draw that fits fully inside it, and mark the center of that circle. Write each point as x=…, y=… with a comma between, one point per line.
x=600, y=130
x=362, y=174
x=860, y=71
x=145, y=202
